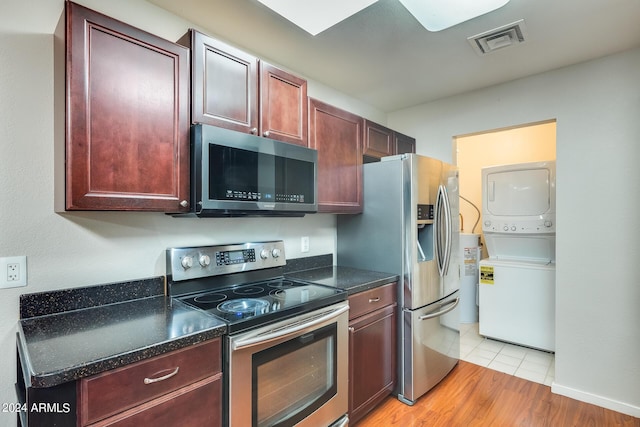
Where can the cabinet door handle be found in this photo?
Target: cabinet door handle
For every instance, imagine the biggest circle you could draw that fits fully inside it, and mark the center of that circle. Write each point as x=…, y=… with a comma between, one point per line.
x=184, y=203
x=376, y=299
x=162, y=378
x=254, y=131
x=266, y=134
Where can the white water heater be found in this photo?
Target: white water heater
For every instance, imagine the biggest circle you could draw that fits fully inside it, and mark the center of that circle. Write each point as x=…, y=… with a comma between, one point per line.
x=470, y=257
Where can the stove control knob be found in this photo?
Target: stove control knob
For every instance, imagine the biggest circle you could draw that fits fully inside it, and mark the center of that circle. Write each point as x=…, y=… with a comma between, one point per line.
x=204, y=260
x=275, y=253
x=264, y=254
x=187, y=262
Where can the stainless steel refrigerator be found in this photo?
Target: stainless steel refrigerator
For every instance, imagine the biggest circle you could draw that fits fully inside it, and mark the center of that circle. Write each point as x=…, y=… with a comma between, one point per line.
x=410, y=227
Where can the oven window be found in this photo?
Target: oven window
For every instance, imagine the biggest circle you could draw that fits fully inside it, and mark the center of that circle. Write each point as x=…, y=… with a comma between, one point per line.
x=293, y=379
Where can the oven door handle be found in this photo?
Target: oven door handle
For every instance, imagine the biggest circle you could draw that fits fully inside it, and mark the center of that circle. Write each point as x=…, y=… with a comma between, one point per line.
x=289, y=329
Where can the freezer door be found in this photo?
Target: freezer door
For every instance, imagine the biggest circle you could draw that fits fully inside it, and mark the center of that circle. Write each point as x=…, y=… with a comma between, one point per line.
x=431, y=347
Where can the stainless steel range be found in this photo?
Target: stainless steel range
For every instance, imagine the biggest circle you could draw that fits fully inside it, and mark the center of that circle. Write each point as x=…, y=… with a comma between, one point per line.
x=286, y=352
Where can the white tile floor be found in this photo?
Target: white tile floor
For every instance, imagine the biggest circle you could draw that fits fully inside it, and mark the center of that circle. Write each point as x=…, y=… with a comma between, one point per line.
x=523, y=362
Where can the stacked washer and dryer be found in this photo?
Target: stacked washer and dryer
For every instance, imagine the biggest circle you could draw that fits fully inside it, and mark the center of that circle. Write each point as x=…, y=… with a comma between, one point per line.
x=517, y=281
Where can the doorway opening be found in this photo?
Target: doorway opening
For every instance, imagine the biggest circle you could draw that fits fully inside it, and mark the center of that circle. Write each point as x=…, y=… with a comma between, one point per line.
x=533, y=142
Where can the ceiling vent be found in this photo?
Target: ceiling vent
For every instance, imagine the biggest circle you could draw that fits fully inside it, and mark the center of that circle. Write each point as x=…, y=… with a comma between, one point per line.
x=499, y=38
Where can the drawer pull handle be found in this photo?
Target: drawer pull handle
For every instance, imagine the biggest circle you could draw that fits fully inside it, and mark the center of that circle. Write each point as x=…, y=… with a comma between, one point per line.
x=162, y=378
x=376, y=299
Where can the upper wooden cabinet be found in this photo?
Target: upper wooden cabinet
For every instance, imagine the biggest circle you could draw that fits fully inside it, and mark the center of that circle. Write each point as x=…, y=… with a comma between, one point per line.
x=337, y=135
x=403, y=143
x=234, y=90
x=380, y=141
x=283, y=105
x=127, y=115
x=224, y=84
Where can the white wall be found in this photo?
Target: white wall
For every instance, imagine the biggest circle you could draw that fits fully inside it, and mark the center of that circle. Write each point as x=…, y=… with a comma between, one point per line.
x=597, y=107
x=89, y=248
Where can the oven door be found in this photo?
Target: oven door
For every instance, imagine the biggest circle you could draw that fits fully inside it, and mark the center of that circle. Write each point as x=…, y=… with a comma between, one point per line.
x=293, y=372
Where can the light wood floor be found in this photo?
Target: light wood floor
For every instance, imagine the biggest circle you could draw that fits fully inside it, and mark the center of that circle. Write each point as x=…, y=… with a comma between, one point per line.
x=472, y=395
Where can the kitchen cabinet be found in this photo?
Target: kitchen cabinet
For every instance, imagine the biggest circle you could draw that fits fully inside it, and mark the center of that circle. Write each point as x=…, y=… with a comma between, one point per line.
x=235, y=90
x=403, y=143
x=283, y=105
x=127, y=115
x=183, y=387
x=380, y=141
x=372, y=348
x=337, y=135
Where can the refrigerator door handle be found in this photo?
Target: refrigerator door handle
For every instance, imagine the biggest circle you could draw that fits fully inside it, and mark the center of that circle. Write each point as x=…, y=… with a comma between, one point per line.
x=438, y=232
x=444, y=231
x=449, y=231
x=450, y=306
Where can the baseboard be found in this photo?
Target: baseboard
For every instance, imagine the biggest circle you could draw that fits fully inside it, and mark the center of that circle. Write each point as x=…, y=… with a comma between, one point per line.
x=594, y=399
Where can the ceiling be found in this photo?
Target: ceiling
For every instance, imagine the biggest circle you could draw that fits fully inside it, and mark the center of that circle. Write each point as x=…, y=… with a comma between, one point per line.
x=385, y=58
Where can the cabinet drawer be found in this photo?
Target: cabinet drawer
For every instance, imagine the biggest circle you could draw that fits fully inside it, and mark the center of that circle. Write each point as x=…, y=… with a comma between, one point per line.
x=373, y=299
x=199, y=404
x=111, y=392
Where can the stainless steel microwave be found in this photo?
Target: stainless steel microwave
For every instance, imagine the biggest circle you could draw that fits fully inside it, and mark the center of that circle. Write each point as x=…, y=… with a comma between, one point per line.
x=238, y=174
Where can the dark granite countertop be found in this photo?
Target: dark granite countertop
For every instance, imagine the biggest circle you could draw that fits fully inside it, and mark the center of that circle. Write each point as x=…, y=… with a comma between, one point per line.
x=67, y=345
x=352, y=280
x=70, y=334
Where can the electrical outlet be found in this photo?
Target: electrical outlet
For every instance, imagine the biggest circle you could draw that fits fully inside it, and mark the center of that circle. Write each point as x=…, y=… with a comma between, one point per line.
x=304, y=244
x=13, y=271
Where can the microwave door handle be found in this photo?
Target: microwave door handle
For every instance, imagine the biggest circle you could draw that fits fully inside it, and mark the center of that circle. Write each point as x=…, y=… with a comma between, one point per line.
x=289, y=330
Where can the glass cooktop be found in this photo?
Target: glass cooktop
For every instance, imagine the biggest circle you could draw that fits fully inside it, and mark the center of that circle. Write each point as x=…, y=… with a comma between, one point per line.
x=248, y=305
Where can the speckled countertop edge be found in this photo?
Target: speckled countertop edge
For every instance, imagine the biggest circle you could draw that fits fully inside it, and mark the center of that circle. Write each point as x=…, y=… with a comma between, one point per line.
x=72, y=373
x=52, y=306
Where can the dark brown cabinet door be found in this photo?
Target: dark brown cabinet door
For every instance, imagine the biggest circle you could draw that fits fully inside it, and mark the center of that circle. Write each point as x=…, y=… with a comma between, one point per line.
x=337, y=135
x=372, y=360
x=224, y=84
x=404, y=143
x=234, y=90
x=283, y=105
x=127, y=128
x=180, y=388
x=378, y=140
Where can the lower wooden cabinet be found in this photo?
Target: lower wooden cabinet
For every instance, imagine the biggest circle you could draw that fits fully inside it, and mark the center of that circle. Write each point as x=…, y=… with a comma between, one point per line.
x=180, y=388
x=372, y=349
x=195, y=405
